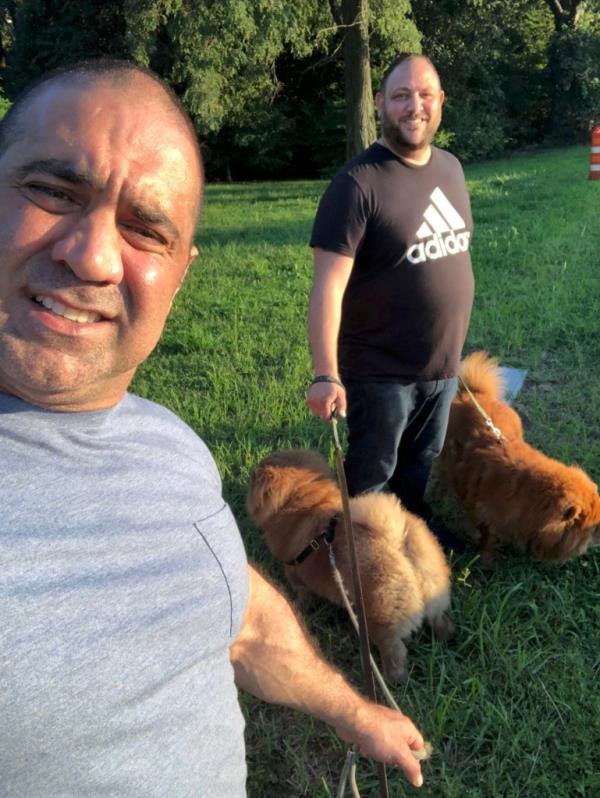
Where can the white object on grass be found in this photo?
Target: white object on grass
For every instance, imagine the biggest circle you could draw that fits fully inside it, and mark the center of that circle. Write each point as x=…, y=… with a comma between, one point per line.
x=513, y=380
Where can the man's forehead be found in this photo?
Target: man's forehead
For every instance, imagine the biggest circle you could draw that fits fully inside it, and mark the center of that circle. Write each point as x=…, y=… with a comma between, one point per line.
x=414, y=70
x=106, y=130
x=61, y=108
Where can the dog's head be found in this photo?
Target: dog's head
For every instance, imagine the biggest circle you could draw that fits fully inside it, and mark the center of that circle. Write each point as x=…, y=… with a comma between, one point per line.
x=577, y=526
x=291, y=480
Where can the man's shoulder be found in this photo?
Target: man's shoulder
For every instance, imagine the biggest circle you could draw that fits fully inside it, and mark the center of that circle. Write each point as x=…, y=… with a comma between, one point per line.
x=134, y=405
x=445, y=159
x=375, y=155
x=134, y=409
x=157, y=427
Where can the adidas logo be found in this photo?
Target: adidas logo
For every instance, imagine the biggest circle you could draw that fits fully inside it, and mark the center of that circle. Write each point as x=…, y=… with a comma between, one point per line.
x=441, y=226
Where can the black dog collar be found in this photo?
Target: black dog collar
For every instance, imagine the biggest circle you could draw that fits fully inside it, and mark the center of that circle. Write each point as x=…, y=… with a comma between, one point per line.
x=327, y=537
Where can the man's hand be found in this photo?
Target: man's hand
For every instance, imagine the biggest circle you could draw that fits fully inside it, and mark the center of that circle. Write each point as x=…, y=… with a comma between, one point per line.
x=325, y=397
x=389, y=737
x=275, y=659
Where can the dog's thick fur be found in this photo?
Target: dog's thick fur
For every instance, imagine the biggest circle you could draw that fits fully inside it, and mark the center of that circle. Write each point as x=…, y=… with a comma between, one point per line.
x=404, y=574
x=512, y=492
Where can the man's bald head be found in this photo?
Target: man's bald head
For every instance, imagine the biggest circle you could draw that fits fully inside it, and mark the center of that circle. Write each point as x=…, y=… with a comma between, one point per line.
x=121, y=74
x=400, y=59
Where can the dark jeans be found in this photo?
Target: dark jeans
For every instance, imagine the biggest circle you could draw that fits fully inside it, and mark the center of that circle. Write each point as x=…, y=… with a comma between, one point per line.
x=394, y=434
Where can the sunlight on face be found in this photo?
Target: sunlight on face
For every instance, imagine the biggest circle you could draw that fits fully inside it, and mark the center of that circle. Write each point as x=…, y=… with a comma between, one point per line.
x=96, y=226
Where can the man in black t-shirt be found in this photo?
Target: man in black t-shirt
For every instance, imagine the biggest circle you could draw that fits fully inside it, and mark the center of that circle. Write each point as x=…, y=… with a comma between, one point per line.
x=393, y=290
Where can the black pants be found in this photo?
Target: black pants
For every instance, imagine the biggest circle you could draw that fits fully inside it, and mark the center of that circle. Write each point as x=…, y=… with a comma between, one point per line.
x=394, y=434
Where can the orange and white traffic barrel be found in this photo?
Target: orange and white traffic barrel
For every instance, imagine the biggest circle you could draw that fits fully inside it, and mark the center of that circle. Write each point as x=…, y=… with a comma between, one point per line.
x=595, y=154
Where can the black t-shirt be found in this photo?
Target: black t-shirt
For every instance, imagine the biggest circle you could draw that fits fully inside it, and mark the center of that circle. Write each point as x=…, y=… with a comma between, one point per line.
x=406, y=308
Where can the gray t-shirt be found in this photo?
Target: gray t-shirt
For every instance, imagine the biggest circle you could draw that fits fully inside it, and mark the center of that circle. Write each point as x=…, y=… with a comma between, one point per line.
x=123, y=582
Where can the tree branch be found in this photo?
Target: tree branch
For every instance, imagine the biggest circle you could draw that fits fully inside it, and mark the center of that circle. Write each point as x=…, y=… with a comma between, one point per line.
x=566, y=12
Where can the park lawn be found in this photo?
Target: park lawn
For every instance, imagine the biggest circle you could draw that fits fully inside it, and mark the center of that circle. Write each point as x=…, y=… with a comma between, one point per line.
x=512, y=707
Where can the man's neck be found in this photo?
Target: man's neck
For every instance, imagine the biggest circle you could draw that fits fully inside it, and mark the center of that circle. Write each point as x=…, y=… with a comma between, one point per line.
x=416, y=157
x=70, y=402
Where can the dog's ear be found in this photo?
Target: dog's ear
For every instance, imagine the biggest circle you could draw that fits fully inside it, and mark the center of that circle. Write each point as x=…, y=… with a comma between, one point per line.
x=268, y=491
x=258, y=491
x=565, y=539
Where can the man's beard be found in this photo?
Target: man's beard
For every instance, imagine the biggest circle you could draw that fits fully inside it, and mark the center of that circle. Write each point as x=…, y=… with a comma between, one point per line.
x=393, y=134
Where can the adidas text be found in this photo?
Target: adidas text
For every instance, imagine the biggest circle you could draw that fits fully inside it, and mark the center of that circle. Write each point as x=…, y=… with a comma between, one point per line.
x=439, y=247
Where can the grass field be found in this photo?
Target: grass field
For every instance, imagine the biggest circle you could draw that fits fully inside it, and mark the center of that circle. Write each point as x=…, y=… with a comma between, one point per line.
x=512, y=706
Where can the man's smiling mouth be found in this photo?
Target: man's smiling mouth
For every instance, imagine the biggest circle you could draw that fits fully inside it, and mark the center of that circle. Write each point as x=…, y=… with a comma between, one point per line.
x=72, y=314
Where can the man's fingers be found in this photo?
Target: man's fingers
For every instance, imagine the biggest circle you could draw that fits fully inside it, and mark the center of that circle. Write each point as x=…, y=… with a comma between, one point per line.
x=324, y=398
x=417, y=749
x=421, y=752
x=411, y=768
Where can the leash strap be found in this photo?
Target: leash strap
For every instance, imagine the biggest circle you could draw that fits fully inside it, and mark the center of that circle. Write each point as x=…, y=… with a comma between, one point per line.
x=349, y=772
x=365, y=654
x=328, y=536
x=488, y=421
x=423, y=753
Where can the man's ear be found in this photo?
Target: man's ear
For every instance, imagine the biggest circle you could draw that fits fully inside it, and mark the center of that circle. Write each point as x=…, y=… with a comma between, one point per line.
x=194, y=252
x=379, y=101
x=442, y=97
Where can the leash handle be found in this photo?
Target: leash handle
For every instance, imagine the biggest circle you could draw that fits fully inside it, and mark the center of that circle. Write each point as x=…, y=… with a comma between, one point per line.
x=365, y=654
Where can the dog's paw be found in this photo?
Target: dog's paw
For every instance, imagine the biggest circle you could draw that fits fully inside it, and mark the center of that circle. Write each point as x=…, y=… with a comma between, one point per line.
x=488, y=559
x=443, y=627
x=395, y=671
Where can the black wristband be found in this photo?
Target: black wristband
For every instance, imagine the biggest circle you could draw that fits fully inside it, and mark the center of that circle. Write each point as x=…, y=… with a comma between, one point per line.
x=326, y=378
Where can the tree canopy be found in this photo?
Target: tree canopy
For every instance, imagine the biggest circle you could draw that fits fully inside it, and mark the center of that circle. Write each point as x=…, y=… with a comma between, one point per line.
x=284, y=88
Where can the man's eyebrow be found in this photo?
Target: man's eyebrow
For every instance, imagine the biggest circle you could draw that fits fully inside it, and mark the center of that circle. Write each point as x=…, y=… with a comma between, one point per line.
x=154, y=216
x=64, y=170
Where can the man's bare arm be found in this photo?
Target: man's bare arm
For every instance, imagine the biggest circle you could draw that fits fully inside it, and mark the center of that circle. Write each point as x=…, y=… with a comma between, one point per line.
x=275, y=660
x=331, y=275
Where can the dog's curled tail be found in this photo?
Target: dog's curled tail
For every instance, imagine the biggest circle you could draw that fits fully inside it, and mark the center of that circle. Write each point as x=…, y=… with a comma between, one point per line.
x=481, y=375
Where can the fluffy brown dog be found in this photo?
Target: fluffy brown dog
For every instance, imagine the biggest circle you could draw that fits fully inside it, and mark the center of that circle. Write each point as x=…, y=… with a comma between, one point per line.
x=512, y=492
x=405, y=577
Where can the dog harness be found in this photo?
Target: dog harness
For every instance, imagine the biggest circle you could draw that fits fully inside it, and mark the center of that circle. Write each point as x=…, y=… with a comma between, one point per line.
x=327, y=537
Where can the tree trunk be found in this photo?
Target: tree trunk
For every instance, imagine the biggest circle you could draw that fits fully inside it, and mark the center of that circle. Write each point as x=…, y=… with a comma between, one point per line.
x=566, y=12
x=360, y=112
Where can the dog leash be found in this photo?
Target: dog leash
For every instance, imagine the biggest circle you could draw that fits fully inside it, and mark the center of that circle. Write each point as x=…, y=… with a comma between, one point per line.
x=488, y=421
x=426, y=751
x=363, y=632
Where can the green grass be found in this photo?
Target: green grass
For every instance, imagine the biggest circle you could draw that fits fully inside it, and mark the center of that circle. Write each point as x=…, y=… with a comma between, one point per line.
x=512, y=706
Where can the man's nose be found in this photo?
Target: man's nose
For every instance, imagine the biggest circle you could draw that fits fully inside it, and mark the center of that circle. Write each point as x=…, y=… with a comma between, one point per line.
x=90, y=247
x=414, y=101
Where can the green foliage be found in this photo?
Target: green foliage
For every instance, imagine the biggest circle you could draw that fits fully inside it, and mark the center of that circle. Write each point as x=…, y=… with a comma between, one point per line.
x=574, y=62
x=222, y=56
x=392, y=30
x=264, y=79
x=52, y=33
x=4, y=105
x=491, y=59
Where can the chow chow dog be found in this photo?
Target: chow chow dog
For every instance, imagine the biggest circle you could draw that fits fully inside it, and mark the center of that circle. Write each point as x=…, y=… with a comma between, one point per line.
x=512, y=492
x=405, y=578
